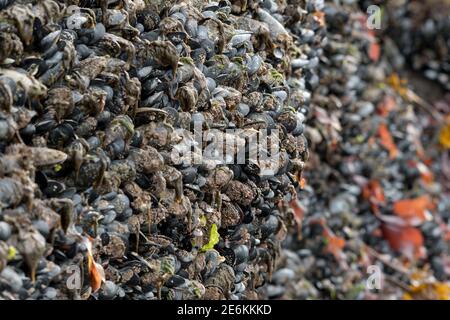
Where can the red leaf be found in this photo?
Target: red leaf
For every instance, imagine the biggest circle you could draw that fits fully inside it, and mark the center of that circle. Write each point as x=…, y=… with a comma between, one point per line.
x=373, y=191
x=335, y=244
x=404, y=239
x=374, y=51
x=413, y=210
x=386, y=141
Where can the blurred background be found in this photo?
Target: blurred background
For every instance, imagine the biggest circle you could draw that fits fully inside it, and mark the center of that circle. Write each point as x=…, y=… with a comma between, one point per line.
x=378, y=175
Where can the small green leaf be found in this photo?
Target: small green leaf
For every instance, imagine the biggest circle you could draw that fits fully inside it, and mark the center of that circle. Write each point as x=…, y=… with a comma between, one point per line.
x=213, y=238
x=11, y=253
x=360, y=138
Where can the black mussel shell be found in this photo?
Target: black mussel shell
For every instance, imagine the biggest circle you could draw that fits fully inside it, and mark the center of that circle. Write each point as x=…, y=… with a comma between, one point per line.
x=270, y=226
x=53, y=189
x=143, y=181
x=137, y=139
x=175, y=281
x=241, y=254
x=116, y=148
x=61, y=135
x=45, y=125
x=41, y=180
x=189, y=175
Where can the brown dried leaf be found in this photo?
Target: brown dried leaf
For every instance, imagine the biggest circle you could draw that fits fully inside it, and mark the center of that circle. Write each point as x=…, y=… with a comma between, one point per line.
x=386, y=141
x=404, y=239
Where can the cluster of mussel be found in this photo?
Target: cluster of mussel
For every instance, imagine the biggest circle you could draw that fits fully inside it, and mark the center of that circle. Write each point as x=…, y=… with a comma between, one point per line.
x=92, y=94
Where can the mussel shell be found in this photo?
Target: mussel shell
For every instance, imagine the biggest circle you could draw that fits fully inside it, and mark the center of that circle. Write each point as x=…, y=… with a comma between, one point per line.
x=104, y=118
x=27, y=132
x=175, y=281
x=45, y=126
x=189, y=175
x=53, y=188
x=116, y=148
x=38, y=65
x=241, y=254
x=270, y=226
x=137, y=139
x=41, y=180
x=143, y=181
x=89, y=172
x=61, y=135
x=177, y=37
x=149, y=19
x=83, y=51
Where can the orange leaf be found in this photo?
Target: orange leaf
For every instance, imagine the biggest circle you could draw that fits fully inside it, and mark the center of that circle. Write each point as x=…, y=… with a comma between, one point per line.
x=94, y=274
x=319, y=16
x=410, y=209
x=398, y=84
x=427, y=177
x=374, y=51
x=373, y=192
x=404, y=239
x=335, y=244
x=302, y=183
x=386, y=141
